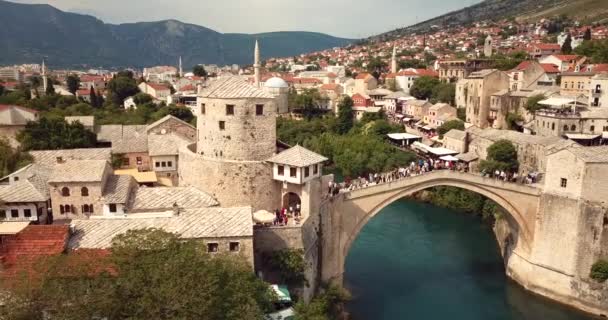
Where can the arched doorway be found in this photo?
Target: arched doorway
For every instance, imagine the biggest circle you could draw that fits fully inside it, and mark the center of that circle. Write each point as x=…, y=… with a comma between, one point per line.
x=291, y=200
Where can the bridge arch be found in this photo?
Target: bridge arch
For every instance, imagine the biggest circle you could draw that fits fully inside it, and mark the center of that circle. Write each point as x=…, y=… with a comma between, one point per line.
x=356, y=208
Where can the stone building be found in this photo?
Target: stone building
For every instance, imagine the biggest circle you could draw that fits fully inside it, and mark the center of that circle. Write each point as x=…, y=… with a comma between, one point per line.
x=582, y=124
x=598, y=95
x=505, y=102
x=454, y=70
x=365, y=82
x=236, y=135
x=576, y=84
x=13, y=119
x=530, y=75
x=474, y=93
x=416, y=109
x=455, y=140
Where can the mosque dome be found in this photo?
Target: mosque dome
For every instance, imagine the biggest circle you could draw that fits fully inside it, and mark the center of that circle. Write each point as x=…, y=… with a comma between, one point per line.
x=275, y=82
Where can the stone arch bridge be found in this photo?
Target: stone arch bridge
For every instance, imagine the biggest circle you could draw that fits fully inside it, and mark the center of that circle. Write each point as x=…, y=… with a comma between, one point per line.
x=350, y=211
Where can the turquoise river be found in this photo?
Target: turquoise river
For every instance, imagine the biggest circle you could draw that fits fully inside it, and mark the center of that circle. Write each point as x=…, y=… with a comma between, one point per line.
x=418, y=261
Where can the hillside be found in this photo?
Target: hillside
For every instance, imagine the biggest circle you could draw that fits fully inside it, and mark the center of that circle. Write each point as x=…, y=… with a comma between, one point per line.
x=590, y=10
x=30, y=32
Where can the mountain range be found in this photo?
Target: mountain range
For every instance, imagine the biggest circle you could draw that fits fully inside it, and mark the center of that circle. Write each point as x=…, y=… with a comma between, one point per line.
x=31, y=32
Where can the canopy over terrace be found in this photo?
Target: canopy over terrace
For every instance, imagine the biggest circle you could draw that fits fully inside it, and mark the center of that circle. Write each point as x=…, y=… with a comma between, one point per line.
x=436, y=152
x=404, y=139
x=563, y=102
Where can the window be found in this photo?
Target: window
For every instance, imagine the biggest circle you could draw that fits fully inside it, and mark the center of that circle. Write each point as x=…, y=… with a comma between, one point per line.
x=85, y=208
x=564, y=183
x=27, y=213
x=163, y=164
x=234, y=246
x=68, y=208
x=61, y=209
x=112, y=207
x=138, y=160
x=202, y=108
x=125, y=161
x=280, y=170
x=170, y=164
x=306, y=172
x=222, y=125
x=2, y=214
x=259, y=109
x=59, y=159
x=293, y=172
x=573, y=128
x=315, y=169
x=84, y=192
x=565, y=127
x=65, y=191
x=229, y=109
x=157, y=164
x=553, y=126
x=15, y=179
x=212, y=247
x=592, y=128
x=15, y=213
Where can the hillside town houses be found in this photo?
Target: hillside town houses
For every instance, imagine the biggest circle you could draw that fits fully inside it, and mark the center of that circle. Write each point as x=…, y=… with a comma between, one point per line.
x=221, y=178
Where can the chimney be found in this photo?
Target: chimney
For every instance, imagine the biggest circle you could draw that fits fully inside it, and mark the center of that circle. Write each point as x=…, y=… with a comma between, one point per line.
x=175, y=209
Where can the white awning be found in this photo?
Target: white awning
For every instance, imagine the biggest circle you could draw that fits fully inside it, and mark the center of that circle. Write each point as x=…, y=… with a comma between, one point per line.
x=263, y=216
x=580, y=136
x=449, y=158
x=561, y=101
x=399, y=116
x=12, y=227
x=403, y=136
x=442, y=151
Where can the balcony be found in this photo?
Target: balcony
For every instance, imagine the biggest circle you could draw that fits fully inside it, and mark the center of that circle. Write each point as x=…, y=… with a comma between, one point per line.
x=596, y=92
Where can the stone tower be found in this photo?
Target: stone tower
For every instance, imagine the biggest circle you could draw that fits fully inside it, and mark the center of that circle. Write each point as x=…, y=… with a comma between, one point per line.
x=256, y=64
x=45, y=80
x=394, y=60
x=487, y=48
x=236, y=135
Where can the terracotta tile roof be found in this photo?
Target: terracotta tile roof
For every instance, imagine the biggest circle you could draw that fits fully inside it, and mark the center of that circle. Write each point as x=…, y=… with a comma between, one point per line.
x=157, y=86
x=566, y=57
x=547, y=46
x=330, y=86
x=550, y=68
x=363, y=76
x=33, y=242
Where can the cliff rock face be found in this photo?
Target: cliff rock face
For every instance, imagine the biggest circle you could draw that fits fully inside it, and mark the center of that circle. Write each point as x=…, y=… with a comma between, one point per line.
x=29, y=33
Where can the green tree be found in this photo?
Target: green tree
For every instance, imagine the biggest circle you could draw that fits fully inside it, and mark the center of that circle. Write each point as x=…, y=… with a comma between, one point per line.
x=142, y=98
x=532, y=105
x=199, y=71
x=54, y=134
x=73, y=83
x=183, y=113
x=149, y=274
x=93, y=98
x=444, y=92
x=502, y=155
x=596, y=50
x=35, y=81
x=599, y=271
x=12, y=159
x=50, y=89
x=567, y=46
x=345, y=115
x=290, y=265
x=307, y=103
x=121, y=87
x=587, y=35
x=424, y=87
x=461, y=113
x=449, y=125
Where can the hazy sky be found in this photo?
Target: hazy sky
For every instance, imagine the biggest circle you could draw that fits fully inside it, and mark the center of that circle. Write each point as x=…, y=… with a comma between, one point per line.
x=345, y=18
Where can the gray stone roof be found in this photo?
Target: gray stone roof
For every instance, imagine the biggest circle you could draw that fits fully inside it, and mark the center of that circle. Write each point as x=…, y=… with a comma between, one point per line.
x=87, y=121
x=514, y=136
x=21, y=191
x=297, y=156
x=481, y=74
x=124, y=138
x=591, y=154
x=48, y=158
x=165, y=144
x=417, y=102
x=79, y=171
x=233, y=88
x=162, y=198
x=455, y=134
x=189, y=224
x=118, y=189
x=164, y=119
x=397, y=95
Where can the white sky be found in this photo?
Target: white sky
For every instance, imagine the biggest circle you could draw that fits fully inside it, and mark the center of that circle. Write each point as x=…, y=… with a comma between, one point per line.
x=343, y=18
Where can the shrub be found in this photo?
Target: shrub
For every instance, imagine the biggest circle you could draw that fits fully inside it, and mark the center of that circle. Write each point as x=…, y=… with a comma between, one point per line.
x=599, y=271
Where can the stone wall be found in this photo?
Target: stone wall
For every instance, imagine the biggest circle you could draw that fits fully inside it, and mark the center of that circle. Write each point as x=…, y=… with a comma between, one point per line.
x=174, y=126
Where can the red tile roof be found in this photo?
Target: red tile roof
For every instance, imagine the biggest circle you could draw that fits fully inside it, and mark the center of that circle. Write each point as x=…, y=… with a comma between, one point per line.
x=330, y=86
x=187, y=87
x=550, y=68
x=547, y=46
x=157, y=86
x=363, y=76
x=33, y=242
x=566, y=57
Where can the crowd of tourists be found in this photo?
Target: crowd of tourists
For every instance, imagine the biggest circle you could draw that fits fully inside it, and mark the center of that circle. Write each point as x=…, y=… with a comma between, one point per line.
x=420, y=167
x=283, y=215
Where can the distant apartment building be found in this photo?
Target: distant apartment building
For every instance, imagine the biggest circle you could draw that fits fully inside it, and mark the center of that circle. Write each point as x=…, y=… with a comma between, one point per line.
x=454, y=70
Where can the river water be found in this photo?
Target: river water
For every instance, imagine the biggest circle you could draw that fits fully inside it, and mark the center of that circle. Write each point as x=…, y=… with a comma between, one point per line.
x=418, y=261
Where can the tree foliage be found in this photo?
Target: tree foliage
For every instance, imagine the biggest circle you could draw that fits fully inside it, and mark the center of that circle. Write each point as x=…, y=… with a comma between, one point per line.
x=290, y=265
x=307, y=103
x=199, y=71
x=567, y=45
x=596, y=50
x=149, y=274
x=502, y=156
x=12, y=159
x=345, y=119
x=325, y=306
x=54, y=134
x=449, y=125
x=424, y=87
x=73, y=83
x=599, y=271
x=121, y=87
x=532, y=105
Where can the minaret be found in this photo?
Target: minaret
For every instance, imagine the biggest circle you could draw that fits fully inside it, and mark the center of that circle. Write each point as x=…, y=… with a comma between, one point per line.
x=44, y=79
x=394, y=60
x=487, y=48
x=181, y=71
x=256, y=64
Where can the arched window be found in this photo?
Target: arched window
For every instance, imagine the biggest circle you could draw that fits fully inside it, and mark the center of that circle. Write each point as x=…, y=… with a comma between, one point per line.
x=573, y=128
x=65, y=191
x=61, y=209
x=553, y=126
x=84, y=192
x=85, y=208
x=565, y=127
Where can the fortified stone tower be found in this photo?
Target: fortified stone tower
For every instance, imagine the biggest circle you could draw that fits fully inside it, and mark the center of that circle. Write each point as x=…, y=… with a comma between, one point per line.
x=236, y=135
x=279, y=89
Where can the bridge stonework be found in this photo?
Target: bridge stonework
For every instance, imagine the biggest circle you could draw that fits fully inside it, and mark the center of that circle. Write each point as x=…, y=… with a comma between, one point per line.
x=544, y=250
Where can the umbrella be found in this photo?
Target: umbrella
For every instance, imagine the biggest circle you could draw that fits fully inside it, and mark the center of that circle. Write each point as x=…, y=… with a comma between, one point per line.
x=263, y=216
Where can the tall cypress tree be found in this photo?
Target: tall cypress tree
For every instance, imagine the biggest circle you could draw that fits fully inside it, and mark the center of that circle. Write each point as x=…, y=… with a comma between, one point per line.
x=567, y=46
x=93, y=98
x=587, y=35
